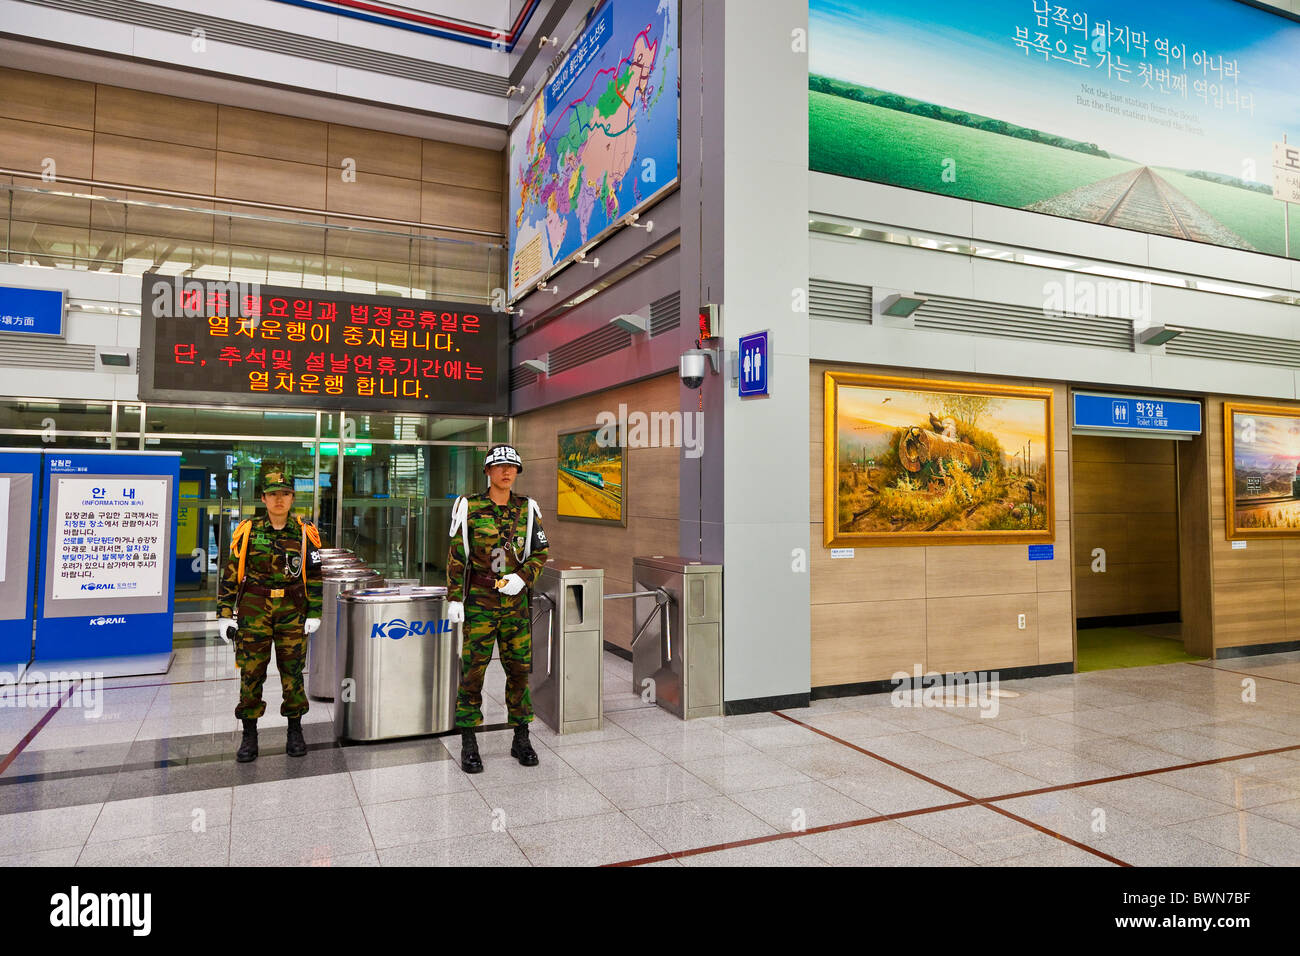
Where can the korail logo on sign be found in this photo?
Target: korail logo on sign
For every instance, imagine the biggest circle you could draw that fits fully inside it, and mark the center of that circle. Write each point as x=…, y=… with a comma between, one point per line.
x=398, y=629
x=100, y=621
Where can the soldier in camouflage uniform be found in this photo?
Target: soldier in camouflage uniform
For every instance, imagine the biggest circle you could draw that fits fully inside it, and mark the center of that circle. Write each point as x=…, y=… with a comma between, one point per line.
x=498, y=549
x=270, y=596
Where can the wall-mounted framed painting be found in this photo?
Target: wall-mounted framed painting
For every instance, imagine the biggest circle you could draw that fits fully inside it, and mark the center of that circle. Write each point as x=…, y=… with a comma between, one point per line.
x=912, y=461
x=591, y=476
x=1261, y=450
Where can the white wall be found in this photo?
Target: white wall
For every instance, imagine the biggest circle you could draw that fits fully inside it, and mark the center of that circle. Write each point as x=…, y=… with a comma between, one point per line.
x=765, y=603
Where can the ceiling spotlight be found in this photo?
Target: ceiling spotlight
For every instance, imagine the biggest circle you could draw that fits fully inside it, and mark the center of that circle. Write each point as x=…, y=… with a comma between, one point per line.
x=632, y=218
x=552, y=289
x=512, y=90
x=902, y=305
x=594, y=261
x=1159, y=334
x=544, y=41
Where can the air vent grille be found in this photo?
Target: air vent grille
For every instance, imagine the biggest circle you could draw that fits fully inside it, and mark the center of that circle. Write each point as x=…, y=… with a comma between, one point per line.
x=839, y=300
x=19, y=353
x=973, y=317
x=665, y=314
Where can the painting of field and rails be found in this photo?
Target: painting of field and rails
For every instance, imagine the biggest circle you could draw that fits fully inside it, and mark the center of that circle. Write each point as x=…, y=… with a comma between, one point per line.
x=923, y=462
x=1262, y=454
x=591, y=477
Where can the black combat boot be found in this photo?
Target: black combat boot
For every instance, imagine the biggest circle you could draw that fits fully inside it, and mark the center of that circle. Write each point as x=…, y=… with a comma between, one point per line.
x=295, y=746
x=470, y=761
x=247, y=751
x=521, y=748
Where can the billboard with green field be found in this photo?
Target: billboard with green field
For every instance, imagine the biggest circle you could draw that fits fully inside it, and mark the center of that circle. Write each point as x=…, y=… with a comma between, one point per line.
x=1136, y=115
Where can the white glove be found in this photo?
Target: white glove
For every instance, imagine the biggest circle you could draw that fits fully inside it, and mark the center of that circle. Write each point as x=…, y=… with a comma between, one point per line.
x=514, y=584
x=456, y=612
x=225, y=627
x=311, y=625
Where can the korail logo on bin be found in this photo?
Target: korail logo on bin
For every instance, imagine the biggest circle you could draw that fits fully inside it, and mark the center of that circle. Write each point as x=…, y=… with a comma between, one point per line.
x=398, y=629
x=100, y=621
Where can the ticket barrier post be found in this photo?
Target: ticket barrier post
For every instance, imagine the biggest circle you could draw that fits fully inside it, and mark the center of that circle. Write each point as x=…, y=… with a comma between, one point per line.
x=567, y=679
x=677, y=646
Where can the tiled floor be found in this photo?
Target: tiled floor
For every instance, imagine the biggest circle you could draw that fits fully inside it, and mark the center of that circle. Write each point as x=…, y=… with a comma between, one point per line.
x=1143, y=766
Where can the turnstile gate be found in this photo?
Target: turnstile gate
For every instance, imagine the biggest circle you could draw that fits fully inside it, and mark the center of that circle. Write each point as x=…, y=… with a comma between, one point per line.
x=677, y=640
x=567, y=680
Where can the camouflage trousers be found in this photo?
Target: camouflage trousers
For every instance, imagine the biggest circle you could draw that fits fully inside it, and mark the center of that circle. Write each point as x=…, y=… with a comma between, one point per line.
x=266, y=622
x=510, y=629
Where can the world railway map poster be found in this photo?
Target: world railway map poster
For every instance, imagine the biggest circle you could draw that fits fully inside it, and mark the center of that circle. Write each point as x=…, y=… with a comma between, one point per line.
x=590, y=475
x=1262, y=461
x=1165, y=119
x=916, y=461
x=600, y=140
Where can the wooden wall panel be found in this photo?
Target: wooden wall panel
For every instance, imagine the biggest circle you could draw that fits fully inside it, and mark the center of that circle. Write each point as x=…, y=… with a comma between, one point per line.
x=652, y=491
x=465, y=208
x=873, y=637
x=261, y=179
x=1126, y=503
x=49, y=100
x=25, y=145
x=386, y=154
x=132, y=161
x=256, y=133
x=150, y=140
x=945, y=608
x=153, y=116
x=385, y=197
x=456, y=165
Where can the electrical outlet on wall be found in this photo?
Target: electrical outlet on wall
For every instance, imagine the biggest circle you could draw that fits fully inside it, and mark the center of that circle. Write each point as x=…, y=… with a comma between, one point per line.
x=1020, y=621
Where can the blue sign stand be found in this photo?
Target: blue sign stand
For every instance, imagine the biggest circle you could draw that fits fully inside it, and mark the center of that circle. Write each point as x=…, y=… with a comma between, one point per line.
x=753, y=360
x=20, y=475
x=106, y=593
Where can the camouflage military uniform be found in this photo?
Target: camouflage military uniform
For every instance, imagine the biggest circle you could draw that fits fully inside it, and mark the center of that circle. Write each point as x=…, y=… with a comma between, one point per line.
x=495, y=531
x=273, y=561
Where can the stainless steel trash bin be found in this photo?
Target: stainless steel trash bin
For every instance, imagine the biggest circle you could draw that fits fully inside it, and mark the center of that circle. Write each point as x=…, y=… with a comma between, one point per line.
x=678, y=643
x=568, y=647
x=397, y=663
x=321, y=646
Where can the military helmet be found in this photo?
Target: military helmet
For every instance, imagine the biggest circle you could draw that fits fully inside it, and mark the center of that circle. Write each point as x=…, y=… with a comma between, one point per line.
x=503, y=455
x=273, y=476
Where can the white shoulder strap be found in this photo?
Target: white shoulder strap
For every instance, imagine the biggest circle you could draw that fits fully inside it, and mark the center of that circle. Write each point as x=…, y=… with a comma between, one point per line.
x=460, y=522
x=528, y=539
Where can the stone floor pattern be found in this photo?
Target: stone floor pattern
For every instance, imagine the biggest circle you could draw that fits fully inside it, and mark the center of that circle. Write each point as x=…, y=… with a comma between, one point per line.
x=1169, y=765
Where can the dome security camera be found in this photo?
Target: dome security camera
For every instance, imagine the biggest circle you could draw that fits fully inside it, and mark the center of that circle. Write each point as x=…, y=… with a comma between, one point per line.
x=694, y=365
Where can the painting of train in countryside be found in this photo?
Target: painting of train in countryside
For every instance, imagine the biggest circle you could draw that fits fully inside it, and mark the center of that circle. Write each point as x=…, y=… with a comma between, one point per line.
x=591, y=477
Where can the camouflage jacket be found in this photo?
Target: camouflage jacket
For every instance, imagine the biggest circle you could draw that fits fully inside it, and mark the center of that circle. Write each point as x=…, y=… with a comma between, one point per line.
x=274, y=560
x=496, y=542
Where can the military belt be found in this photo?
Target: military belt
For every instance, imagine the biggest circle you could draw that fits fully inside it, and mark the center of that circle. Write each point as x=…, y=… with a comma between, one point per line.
x=488, y=581
x=272, y=592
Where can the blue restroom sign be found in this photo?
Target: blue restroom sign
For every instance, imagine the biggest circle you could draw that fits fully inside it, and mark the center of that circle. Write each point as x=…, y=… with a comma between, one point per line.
x=753, y=364
x=1147, y=414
